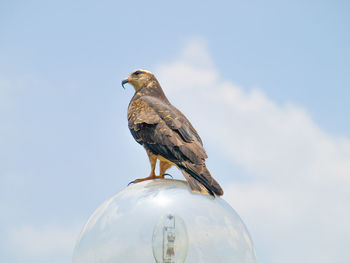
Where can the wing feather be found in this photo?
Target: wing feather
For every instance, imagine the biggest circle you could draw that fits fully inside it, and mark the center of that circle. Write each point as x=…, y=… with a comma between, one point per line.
x=165, y=131
x=152, y=121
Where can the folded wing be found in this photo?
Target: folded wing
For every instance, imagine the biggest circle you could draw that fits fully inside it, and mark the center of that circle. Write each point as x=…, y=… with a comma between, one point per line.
x=165, y=131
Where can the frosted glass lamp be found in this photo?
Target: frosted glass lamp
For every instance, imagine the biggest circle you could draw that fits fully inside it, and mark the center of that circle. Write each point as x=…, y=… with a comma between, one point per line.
x=162, y=221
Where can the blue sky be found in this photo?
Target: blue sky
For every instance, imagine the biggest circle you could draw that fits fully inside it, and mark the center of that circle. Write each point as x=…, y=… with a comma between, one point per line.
x=277, y=72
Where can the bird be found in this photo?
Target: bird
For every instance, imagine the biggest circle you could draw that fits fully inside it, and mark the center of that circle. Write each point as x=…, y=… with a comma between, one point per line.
x=167, y=135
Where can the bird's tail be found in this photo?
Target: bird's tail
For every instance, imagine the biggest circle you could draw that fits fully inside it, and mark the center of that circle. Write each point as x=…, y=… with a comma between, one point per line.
x=200, y=179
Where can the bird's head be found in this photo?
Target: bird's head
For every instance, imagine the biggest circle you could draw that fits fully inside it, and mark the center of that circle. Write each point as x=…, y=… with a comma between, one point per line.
x=139, y=78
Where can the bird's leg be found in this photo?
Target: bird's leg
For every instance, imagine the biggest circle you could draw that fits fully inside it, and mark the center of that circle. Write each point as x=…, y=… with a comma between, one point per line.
x=163, y=166
x=153, y=162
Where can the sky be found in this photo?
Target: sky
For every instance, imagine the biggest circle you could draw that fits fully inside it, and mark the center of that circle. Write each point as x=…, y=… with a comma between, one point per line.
x=265, y=83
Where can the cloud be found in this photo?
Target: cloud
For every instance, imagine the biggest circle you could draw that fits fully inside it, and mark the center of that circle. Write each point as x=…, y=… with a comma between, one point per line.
x=296, y=198
x=48, y=240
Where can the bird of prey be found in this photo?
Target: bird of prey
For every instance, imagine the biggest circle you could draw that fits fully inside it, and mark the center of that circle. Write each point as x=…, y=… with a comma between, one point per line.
x=167, y=135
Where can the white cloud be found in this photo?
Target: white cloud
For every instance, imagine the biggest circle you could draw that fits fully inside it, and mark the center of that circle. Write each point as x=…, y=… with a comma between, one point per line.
x=48, y=240
x=296, y=202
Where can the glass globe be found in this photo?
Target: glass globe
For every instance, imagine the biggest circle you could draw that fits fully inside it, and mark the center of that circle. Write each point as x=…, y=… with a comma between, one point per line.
x=163, y=221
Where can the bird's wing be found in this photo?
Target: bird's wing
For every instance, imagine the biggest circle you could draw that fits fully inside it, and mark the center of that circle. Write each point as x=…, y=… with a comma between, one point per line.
x=163, y=131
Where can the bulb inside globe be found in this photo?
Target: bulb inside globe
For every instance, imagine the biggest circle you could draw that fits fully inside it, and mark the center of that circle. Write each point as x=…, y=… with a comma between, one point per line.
x=170, y=240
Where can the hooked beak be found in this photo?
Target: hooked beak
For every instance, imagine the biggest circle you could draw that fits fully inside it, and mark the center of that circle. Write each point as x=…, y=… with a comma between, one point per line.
x=124, y=81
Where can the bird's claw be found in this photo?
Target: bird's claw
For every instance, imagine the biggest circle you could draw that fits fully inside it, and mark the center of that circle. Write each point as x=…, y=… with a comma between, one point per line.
x=132, y=182
x=135, y=181
x=150, y=178
x=168, y=175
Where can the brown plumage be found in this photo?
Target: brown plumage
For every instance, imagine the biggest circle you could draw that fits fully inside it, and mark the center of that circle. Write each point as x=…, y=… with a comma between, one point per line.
x=166, y=134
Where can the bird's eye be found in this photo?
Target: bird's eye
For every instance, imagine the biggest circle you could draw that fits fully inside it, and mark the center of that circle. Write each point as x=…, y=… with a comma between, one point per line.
x=137, y=73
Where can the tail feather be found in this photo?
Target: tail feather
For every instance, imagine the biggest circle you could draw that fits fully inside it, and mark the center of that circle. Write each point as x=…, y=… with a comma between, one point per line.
x=195, y=185
x=200, y=179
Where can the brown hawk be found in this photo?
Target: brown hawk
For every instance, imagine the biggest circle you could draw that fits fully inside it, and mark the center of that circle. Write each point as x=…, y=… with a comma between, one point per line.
x=166, y=134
